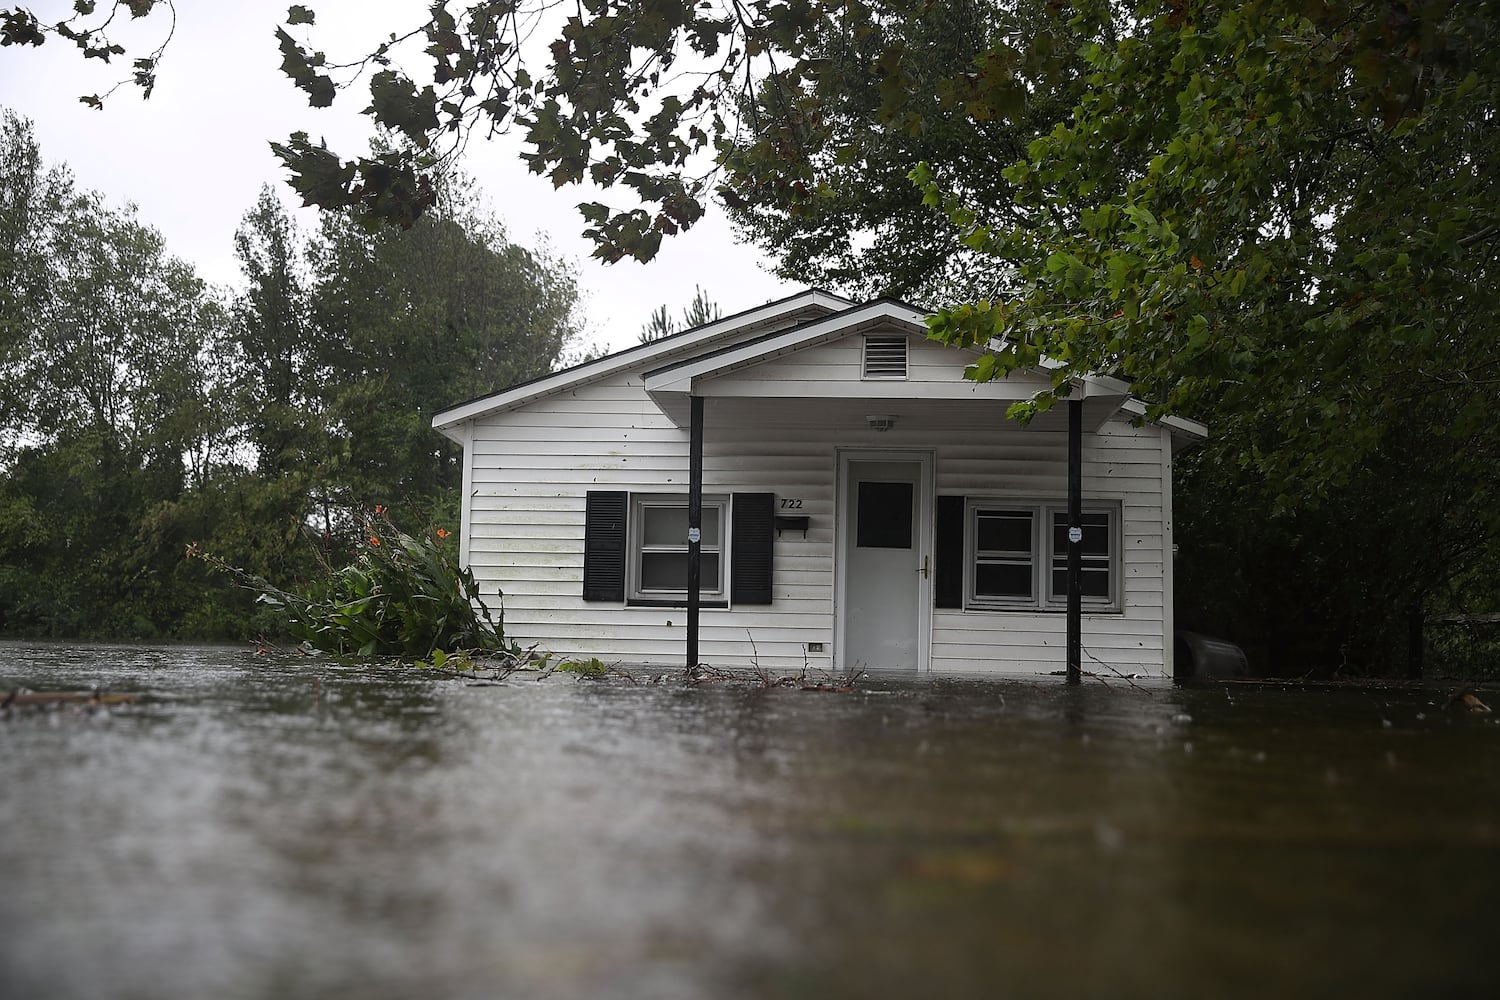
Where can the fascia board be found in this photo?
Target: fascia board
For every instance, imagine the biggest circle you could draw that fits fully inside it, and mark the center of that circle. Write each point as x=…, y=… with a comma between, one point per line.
x=1181, y=427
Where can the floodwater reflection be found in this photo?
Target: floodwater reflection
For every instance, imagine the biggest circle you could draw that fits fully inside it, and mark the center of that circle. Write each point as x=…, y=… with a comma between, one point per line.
x=257, y=827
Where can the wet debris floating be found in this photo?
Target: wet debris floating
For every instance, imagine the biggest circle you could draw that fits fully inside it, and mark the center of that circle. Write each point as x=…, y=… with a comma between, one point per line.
x=21, y=701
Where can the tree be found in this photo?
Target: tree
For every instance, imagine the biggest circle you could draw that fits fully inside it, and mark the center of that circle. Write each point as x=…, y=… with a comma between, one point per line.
x=699, y=312
x=1287, y=214
x=661, y=324
x=629, y=95
x=276, y=357
x=1280, y=217
x=31, y=200
x=412, y=319
x=824, y=186
x=104, y=389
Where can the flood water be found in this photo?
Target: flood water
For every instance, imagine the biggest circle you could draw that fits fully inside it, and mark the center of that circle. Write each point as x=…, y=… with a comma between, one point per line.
x=263, y=827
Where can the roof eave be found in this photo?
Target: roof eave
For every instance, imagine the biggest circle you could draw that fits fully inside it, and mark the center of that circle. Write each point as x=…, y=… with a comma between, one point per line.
x=519, y=395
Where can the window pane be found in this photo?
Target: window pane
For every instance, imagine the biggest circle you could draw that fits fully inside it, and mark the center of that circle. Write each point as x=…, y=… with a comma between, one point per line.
x=668, y=571
x=667, y=524
x=664, y=571
x=884, y=516
x=1002, y=580
x=1096, y=581
x=1095, y=534
x=1094, y=577
x=664, y=525
x=1003, y=531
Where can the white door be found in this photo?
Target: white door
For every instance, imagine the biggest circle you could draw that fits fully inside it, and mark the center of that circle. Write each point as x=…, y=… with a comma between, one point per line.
x=882, y=543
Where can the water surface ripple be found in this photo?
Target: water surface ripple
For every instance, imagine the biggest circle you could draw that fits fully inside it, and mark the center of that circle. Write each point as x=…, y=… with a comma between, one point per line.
x=260, y=826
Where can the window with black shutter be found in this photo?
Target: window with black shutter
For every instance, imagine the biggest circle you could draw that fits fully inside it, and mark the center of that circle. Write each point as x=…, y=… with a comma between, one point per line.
x=635, y=548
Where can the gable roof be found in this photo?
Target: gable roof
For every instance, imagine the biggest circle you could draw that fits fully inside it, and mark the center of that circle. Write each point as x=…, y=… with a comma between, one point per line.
x=793, y=309
x=880, y=312
x=671, y=366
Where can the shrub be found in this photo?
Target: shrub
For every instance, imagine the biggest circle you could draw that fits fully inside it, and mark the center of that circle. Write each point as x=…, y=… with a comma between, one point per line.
x=402, y=596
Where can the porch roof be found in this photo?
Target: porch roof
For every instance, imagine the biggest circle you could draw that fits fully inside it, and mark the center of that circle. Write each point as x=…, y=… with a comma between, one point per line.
x=710, y=374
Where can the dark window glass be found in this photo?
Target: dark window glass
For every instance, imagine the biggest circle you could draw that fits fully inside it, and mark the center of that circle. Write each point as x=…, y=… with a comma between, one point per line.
x=1095, y=534
x=1002, y=580
x=1095, y=580
x=1003, y=531
x=668, y=571
x=884, y=516
x=1095, y=571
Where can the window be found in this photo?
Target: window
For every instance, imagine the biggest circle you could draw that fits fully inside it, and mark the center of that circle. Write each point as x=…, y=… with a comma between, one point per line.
x=635, y=548
x=1016, y=555
x=659, y=547
x=1098, y=557
x=1004, y=555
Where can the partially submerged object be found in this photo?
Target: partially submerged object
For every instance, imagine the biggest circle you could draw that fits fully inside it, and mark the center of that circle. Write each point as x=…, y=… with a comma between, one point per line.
x=1203, y=657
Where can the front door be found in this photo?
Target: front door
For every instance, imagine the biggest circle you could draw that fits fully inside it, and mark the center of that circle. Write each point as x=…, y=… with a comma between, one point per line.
x=884, y=573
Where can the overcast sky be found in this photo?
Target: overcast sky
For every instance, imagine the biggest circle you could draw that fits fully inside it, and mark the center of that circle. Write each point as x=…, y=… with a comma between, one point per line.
x=194, y=156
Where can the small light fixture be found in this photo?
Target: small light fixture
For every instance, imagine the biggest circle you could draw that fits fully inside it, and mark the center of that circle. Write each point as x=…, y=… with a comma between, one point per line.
x=880, y=423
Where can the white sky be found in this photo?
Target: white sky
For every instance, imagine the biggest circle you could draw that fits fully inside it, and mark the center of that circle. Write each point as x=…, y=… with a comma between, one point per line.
x=194, y=156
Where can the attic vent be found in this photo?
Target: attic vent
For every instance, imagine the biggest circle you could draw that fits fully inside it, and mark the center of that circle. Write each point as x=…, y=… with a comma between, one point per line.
x=885, y=357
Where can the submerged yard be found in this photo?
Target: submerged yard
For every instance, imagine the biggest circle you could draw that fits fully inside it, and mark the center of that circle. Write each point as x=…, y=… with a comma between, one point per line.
x=253, y=826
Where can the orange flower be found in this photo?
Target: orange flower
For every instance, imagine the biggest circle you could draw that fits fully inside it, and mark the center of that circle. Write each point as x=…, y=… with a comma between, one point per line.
x=379, y=510
x=441, y=534
x=374, y=540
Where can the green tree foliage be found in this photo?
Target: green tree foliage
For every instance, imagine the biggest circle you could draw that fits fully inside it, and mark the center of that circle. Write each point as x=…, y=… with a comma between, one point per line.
x=413, y=319
x=661, y=324
x=104, y=388
x=145, y=414
x=1281, y=217
x=1289, y=215
x=273, y=341
x=823, y=184
x=400, y=596
x=699, y=312
x=627, y=95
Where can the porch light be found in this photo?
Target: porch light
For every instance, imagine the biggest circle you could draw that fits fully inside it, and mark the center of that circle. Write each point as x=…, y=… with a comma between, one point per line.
x=880, y=423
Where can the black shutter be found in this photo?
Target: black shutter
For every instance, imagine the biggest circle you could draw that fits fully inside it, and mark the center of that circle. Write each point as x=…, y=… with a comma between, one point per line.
x=948, y=561
x=604, y=545
x=752, y=544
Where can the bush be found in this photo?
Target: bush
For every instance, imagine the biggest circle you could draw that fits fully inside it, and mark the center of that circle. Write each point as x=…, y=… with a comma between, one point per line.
x=402, y=596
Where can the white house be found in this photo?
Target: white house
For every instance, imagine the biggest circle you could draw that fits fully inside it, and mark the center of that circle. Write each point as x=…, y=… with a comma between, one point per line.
x=862, y=504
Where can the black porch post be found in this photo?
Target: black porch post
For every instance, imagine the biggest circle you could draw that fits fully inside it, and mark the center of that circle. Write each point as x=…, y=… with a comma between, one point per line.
x=1075, y=541
x=695, y=525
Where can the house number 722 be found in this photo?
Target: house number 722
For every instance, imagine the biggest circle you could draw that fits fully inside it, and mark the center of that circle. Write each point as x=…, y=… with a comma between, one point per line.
x=790, y=504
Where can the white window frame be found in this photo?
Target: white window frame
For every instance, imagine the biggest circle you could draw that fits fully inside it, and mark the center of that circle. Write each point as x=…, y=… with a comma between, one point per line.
x=1042, y=555
x=714, y=589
